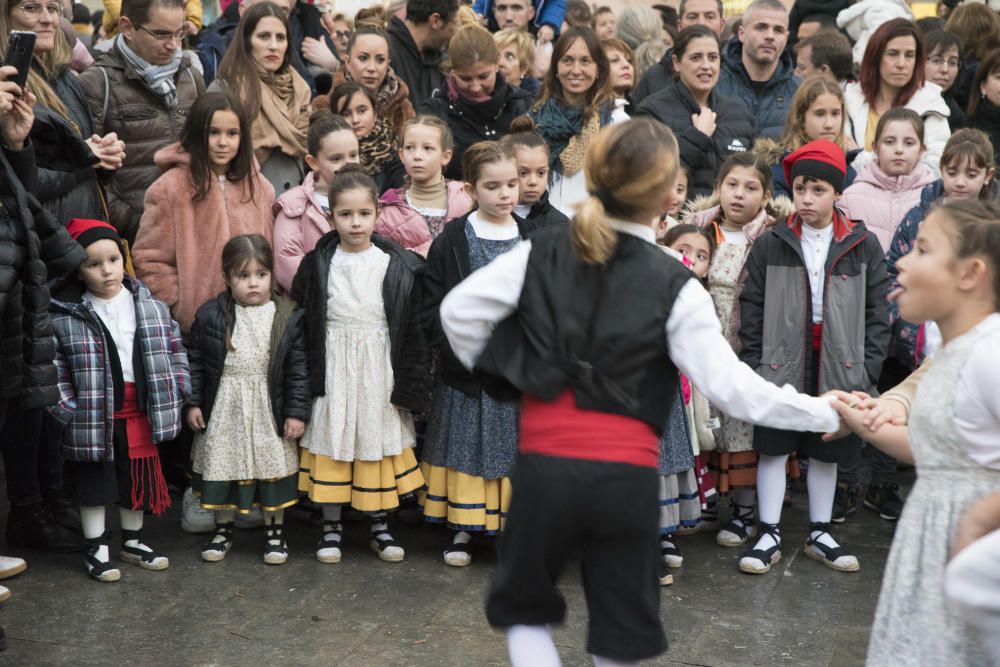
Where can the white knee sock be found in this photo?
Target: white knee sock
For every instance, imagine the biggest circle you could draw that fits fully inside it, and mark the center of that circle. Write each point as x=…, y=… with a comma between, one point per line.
x=278, y=516
x=532, y=646
x=332, y=513
x=132, y=520
x=222, y=517
x=608, y=662
x=771, y=487
x=92, y=519
x=822, y=484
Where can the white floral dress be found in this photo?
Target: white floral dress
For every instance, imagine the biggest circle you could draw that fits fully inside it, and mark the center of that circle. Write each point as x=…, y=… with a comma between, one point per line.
x=242, y=441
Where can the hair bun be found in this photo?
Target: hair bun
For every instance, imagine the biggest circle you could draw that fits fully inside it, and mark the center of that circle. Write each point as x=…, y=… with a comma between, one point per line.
x=522, y=123
x=373, y=16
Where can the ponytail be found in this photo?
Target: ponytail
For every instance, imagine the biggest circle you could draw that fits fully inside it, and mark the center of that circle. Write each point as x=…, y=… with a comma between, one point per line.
x=628, y=166
x=593, y=236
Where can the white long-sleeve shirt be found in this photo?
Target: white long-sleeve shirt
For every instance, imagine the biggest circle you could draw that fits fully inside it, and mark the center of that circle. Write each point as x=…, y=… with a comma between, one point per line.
x=694, y=341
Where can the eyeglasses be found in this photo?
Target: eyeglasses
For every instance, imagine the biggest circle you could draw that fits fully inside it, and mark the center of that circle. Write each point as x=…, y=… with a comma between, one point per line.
x=938, y=61
x=342, y=34
x=34, y=10
x=164, y=35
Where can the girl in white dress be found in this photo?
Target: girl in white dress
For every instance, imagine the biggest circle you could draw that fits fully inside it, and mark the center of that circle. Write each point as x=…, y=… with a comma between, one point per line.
x=369, y=368
x=951, y=277
x=250, y=399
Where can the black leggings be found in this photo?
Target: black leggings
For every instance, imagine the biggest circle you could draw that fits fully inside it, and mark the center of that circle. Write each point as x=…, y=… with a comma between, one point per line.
x=30, y=452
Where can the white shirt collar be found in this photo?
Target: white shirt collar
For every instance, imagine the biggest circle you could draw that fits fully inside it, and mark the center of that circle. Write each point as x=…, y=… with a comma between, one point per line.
x=644, y=232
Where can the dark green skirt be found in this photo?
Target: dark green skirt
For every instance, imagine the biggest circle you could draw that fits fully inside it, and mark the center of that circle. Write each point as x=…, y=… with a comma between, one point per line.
x=245, y=494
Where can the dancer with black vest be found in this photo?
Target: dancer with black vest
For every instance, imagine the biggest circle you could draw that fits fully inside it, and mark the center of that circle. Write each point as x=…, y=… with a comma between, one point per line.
x=570, y=318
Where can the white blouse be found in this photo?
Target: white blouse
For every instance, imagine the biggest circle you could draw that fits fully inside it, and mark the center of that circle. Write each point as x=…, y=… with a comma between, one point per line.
x=118, y=315
x=694, y=341
x=977, y=401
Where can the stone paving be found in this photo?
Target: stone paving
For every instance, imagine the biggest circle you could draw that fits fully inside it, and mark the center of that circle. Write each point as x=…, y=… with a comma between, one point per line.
x=421, y=612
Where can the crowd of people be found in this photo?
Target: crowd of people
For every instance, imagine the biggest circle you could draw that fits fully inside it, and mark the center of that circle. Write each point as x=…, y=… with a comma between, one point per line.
x=421, y=258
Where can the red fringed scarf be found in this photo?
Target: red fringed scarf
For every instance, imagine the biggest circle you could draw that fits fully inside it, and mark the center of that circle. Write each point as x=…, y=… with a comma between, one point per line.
x=147, y=473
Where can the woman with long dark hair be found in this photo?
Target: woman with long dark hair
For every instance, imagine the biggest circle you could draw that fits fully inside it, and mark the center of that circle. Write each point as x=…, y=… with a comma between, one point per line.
x=258, y=70
x=892, y=75
x=984, y=103
x=576, y=102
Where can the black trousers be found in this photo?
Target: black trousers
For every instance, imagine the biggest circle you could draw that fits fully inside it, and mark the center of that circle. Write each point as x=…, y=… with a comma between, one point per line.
x=30, y=449
x=605, y=513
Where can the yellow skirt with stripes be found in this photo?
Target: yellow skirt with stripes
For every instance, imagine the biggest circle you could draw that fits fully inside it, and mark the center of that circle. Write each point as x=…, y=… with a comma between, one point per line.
x=367, y=486
x=464, y=502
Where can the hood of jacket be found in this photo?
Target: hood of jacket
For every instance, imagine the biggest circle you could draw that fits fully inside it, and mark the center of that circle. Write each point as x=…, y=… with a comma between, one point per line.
x=872, y=174
x=732, y=59
x=172, y=156
x=769, y=150
x=703, y=211
x=296, y=201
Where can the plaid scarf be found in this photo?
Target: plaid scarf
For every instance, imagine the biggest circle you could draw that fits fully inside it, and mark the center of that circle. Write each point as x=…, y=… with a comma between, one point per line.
x=158, y=78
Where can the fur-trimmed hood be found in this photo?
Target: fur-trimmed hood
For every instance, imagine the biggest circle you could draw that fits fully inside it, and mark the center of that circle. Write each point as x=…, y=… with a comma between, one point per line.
x=702, y=211
x=769, y=150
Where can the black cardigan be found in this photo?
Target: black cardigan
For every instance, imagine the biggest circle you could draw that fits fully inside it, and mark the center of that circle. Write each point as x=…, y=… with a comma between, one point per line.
x=447, y=265
x=401, y=294
x=287, y=375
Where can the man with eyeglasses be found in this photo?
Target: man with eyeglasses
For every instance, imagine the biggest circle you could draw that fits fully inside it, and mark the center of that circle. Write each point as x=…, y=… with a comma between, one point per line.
x=142, y=89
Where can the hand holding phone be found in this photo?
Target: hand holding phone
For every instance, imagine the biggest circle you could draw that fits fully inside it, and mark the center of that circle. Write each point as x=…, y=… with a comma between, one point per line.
x=20, y=48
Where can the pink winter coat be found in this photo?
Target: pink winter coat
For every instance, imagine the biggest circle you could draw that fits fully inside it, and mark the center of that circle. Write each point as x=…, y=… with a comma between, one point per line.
x=299, y=222
x=882, y=201
x=399, y=221
x=178, y=251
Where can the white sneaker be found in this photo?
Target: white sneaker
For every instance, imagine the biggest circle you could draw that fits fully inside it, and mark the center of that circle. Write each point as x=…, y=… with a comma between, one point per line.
x=9, y=566
x=4, y=593
x=195, y=518
x=255, y=519
x=388, y=553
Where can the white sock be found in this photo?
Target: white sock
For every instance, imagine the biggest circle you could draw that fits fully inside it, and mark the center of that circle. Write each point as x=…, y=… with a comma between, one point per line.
x=278, y=516
x=667, y=541
x=608, y=662
x=462, y=537
x=132, y=520
x=223, y=517
x=332, y=513
x=378, y=522
x=532, y=646
x=92, y=520
x=770, y=494
x=822, y=484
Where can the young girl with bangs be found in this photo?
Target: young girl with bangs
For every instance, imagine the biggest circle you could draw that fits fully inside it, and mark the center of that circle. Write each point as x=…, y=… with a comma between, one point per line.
x=302, y=215
x=531, y=154
x=471, y=437
x=368, y=369
x=415, y=214
x=210, y=191
x=250, y=400
x=377, y=142
x=739, y=213
x=886, y=189
x=818, y=112
x=967, y=172
x=951, y=434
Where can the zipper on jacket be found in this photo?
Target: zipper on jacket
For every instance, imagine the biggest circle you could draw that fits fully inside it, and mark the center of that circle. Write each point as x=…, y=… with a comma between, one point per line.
x=826, y=284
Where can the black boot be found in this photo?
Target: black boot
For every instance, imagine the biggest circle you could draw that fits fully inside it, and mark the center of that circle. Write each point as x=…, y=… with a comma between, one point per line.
x=64, y=511
x=32, y=526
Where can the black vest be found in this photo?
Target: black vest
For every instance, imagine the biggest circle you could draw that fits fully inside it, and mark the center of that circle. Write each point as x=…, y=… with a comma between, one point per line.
x=598, y=330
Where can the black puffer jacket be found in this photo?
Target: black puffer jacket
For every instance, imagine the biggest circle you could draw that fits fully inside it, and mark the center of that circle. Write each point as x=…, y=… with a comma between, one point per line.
x=33, y=248
x=543, y=214
x=471, y=121
x=447, y=265
x=401, y=294
x=68, y=185
x=702, y=154
x=987, y=119
x=287, y=376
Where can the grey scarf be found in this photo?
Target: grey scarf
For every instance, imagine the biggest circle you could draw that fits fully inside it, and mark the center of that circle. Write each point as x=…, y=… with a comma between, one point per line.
x=159, y=78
